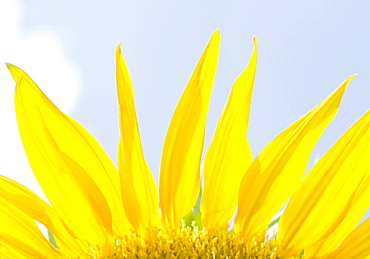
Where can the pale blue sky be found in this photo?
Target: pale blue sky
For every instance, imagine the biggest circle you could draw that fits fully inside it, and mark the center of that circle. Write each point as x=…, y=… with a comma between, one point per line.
x=305, y=51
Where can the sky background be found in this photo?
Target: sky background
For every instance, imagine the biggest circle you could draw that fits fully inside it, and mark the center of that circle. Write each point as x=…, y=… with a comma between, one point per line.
x=305, y=51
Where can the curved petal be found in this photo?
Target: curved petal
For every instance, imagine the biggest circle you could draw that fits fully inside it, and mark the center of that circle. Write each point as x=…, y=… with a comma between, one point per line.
x=359, y=206
x=20, y=233
x=356, y=245
x=180, y=165
x=276, y=172
x=32, y=205
x=228, y=156
x=89, y=154
x=7, y=251
x=49, y=138
x=328, y=191
x=139, y=191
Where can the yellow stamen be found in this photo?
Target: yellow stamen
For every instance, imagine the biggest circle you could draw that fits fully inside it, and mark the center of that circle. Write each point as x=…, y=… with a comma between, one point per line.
x=191, y=242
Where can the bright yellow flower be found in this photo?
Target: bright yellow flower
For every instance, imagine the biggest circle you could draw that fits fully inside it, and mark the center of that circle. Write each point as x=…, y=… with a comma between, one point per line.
x=98, y=211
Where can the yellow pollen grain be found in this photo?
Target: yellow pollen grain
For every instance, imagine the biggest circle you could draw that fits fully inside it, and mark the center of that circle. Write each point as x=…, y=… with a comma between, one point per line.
x=191, y=242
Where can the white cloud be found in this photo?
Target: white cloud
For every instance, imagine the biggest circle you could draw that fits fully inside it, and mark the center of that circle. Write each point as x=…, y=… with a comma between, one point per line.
x=40, y=54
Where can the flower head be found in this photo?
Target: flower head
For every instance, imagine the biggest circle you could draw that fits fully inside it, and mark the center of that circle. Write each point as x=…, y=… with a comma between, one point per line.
x=99, y=211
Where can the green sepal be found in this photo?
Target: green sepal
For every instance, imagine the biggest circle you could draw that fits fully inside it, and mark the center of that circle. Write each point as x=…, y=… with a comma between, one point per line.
x=52, y=239
x=194, y=215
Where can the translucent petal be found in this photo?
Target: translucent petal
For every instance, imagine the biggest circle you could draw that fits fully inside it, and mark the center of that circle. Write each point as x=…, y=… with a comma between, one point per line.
x=29, y=203
x=356, y=245
x=228, y=156
x=20, y=233
x=328, y=191
x=139, y=191
x=7, y=251
x=50, y=139
x=358, y=208
x=276, y=172
x=180, y=165
x=89, y=154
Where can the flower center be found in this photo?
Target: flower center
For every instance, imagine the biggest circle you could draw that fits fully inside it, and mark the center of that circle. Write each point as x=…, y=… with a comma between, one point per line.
x=191, y=242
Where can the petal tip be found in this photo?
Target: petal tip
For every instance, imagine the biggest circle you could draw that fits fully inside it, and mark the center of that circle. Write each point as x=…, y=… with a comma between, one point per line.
x=350, y=78
x=118, y=49
x=9, y=66
x=216, y=34
x=14, y=71
x=255, y=41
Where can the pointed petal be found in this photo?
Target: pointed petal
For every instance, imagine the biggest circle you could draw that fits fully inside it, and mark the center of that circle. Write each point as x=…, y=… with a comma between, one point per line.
x=88, y=154
x=276, y=172
x=228, y=156
x=358, y=208
x=356, y=245
x=180, y=165
x=59, y=152
x=328, y=191
x=139, y=191
x=28, y=202
x=20, y=233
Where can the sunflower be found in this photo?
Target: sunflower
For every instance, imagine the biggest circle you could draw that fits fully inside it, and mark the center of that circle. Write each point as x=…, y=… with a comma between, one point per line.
x=99, y=211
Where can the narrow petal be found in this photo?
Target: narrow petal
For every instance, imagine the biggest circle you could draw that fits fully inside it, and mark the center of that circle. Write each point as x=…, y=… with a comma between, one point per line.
x=9, y=252
x=359, y=206
x=89, y=154
x=32, y=205
x=139, y=191
x=20, y=233
x=50, y=139
x=356, y=245
x=328, y=191
x=228, y=156
x=276, y=172
x=182, y=150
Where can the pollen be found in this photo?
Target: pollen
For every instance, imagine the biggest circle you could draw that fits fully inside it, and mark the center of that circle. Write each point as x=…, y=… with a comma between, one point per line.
x=192, y=242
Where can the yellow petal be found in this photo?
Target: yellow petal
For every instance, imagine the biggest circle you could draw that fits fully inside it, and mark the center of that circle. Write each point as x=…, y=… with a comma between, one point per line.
x=356, y=245
x=29, y=203
x=139, y=191
x=358, y=208
x=20, y=233
x=179, y=175
x=276, y=172
x=328, y=191
x=228, y=156
x=89, y=155
x=9, y=252
x=64, y=172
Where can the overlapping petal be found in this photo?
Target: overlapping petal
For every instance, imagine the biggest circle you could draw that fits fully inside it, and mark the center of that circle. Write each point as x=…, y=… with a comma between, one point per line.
x=10, y=252
x=276, y=172
x=49, y=138
x=139, y=191
x=20, y=233
x=329, y=190
x=356, y=245
x=228, y=156
x=359, y=206
x=180, y=165
x=89, y=154
x=33, y=206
